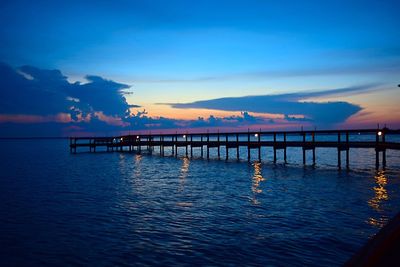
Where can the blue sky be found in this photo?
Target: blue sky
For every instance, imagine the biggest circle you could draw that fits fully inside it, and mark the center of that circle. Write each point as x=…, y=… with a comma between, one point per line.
x=186, y=51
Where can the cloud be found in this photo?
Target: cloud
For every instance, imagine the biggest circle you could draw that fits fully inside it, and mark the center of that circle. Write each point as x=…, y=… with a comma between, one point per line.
x=34, y=91
x=140, y=120
x=289, y=104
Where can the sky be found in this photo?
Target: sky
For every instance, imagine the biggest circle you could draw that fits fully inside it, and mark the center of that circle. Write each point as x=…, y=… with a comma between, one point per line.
x=109, y=67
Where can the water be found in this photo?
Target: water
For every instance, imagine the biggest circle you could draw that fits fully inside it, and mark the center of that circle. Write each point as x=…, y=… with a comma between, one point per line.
x=109, y=209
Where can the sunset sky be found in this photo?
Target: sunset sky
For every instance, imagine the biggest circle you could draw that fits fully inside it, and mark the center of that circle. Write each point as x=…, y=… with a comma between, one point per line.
x=103, y=67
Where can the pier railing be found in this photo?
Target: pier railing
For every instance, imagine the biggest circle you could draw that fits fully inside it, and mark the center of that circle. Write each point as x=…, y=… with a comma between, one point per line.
x=341, y=140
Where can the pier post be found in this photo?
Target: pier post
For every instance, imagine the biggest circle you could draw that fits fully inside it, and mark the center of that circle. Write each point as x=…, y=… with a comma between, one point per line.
x=150, y=147
x=186, y=141
x=226, y=147
x=274, y=147
x=191, y=146
x=339, y=152
x=201, y=139
x=218, y=145
x=284, y=149
x=259, y=146
x=237, y=146
x=208, y=145
x=347, y=151
x=176, y=145
x=377, y=149
x=313, y=149
x=160, y=145
x=384, y=148
x=248, y=145
x=304, y=148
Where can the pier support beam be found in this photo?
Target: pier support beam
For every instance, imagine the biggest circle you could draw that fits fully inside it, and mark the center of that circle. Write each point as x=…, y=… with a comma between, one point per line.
x=284, y=149
x=237, y=147
x=248, y=145
x=191, y=146
x=201, y=139
x=274, y=147
x=208, y=145
x=313, y=149
x=226, y=147
x=304, y=148
x=347, y=151
x=219, y=152
x=259, y=146
x=339, y=152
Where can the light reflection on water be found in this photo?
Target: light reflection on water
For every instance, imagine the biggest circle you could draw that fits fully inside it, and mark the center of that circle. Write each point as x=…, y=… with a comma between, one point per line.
x=256, y=180
x=380, y=195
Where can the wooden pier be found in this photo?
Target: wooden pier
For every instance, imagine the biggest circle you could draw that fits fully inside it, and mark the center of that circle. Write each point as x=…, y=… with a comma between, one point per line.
x=340, y=140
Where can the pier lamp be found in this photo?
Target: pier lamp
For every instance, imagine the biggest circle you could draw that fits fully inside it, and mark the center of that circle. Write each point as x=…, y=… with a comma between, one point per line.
x=184, y=136
x=122, y=139
x=256, y=135
x=137, y=137
x=380, y=133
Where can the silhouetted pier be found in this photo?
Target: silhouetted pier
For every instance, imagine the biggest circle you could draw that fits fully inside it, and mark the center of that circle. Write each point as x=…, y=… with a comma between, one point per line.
x=340, y=140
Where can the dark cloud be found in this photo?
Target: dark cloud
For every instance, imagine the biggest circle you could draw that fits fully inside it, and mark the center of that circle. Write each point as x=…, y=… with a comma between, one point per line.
x=289, y=104
x=30, y=90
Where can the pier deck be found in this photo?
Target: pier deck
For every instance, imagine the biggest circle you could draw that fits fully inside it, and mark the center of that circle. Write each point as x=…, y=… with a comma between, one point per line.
x=307, y=140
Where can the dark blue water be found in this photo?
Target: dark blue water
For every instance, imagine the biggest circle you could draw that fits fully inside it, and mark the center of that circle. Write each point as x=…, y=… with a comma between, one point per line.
x=109, y=209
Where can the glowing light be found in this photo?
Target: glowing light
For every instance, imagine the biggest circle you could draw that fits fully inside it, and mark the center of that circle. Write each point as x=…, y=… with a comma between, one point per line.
x=379, y=133
x=381, y=193
x=122, y=139
x=257, y=179
x=184, y=136
x=137, y=137
x=256, y=135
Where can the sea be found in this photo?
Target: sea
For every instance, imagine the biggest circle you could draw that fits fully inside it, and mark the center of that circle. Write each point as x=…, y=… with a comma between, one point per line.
x=130, y=209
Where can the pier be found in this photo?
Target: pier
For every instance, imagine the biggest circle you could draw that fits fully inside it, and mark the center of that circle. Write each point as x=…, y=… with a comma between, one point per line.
x=339, y=140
